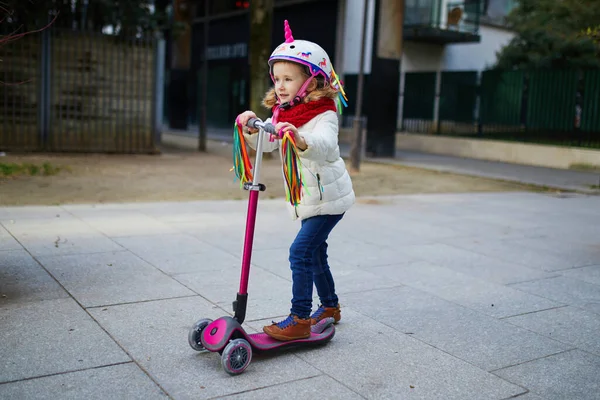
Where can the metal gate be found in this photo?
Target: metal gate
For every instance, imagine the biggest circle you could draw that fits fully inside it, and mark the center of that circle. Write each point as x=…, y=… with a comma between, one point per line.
x=73, y=91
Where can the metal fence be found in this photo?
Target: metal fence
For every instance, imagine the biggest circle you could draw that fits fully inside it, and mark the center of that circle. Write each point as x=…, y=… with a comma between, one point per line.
x=557, y=107
x=74, y=91
x=418, y=104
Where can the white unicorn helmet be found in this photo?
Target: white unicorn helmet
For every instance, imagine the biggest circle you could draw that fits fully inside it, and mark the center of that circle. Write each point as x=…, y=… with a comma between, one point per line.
x=311, y=55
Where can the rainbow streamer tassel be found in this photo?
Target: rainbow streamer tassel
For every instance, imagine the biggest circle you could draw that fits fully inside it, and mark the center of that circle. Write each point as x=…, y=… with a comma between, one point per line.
x=291, y=169
x=241, y=162
x=337, y=84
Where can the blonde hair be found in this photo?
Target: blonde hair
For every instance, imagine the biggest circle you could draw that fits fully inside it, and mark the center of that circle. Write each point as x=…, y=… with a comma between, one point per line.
x=322, y=90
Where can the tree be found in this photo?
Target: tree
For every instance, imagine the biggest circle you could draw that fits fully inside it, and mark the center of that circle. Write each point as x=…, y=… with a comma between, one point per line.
x=549, y=35
x=128, y=18
x=6, y=34
x=261, y=22
x=592, y=33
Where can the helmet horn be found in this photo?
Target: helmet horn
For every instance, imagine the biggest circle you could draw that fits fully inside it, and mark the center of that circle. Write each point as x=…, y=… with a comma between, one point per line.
x=288, y=32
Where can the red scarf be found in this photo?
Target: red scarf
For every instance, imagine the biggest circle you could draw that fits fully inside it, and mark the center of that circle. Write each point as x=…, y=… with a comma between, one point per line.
x=301, y=113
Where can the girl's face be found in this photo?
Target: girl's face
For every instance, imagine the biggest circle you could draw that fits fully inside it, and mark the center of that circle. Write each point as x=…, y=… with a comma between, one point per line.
x=289, y=78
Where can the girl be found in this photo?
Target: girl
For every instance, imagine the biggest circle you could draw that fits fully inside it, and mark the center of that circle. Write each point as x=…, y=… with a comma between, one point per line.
x=302, y=101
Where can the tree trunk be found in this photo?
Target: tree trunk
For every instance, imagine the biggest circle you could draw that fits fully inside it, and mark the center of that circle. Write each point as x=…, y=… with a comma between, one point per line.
x=261, y=22
x=182, y=49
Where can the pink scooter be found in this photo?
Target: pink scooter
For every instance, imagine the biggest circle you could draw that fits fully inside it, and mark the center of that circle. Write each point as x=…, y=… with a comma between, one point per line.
x=226, y=334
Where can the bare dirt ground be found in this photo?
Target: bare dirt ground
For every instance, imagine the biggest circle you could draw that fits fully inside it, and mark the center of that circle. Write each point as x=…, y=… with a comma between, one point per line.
x=184, y=174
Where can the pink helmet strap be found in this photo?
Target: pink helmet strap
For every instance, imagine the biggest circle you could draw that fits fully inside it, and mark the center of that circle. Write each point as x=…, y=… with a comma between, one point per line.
x=302, y=91
x=299, y=95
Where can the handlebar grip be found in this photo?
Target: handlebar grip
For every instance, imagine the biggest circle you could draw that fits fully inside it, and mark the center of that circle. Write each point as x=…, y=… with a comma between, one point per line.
x=269, y=128
x=252, y=123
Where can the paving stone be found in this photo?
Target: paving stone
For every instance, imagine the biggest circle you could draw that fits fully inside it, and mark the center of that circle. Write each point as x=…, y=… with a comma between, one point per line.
x=441, y=339
x=211, y=261
x=122, y=381
x=259, y=309
x=277, y=261
x=120, y=224
x=163, y=244
x=571, y=375
x=347, y=278
x=155, y=334
x=476, y=262
x=365, y=255
x=378, y=235
x=577, y=255
x=59, y=236
x=570, y=325
x=222, y=287
x=486, y=297
x=480, y=229
x=112, y=278
x=528, y=261
x=565, y=290
x=231, y=239
x=30, y=212
x=318, y=387
x=529, y=396
x=51, y=337
x=392, y=365
x=7, y=242
x=476, y=338
x=586, y=274
x=23, y=280
x=200, y=221
x=510, y=218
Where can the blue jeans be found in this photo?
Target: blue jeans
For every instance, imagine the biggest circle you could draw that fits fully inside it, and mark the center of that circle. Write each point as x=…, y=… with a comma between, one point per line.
x=308, y=261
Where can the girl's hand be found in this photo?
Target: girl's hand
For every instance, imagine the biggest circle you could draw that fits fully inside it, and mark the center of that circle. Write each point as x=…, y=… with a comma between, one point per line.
x=287, y=127
x=243, y=119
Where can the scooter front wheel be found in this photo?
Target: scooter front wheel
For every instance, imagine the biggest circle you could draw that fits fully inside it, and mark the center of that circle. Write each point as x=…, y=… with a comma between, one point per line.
x=195, y=334
x=237, y=356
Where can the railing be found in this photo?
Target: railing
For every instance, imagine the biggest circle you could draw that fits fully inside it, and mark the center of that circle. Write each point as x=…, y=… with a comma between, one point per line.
x=460, y=16
x=556, y=107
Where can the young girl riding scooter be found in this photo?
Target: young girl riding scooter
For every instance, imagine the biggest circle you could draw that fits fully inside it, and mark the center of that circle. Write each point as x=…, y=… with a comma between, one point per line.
x=302, y=102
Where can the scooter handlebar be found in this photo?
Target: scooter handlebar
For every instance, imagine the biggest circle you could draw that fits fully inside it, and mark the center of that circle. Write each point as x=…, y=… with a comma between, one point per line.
x=257, y=123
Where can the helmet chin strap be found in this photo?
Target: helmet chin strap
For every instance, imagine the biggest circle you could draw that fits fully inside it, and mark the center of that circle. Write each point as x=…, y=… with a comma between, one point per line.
x=299, y=95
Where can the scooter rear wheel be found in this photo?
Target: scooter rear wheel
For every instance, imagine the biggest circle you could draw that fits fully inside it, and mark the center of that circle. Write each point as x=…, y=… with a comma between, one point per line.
x=195, y=334
x=237, y=356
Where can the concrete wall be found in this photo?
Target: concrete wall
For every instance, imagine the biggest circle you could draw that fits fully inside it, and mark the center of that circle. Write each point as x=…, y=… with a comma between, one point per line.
x=476, y=56
x=456, y=57
x=518, y=153
x=352, y=35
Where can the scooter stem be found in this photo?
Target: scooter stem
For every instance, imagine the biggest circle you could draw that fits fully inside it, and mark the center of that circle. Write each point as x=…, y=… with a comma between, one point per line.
x=239, y=306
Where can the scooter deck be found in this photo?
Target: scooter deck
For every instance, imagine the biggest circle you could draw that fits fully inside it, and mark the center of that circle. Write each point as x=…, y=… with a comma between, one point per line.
x=218, y=333
x=321, y=333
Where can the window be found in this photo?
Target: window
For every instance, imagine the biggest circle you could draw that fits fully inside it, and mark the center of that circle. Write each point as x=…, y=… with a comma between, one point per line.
x=498, y=9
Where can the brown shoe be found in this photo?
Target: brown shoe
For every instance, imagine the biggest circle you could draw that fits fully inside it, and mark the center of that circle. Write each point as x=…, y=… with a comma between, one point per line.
x=291, y=328
x=326, y=312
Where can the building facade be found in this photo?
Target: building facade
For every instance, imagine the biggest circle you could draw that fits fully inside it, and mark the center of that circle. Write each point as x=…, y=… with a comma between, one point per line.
x=227, y=57
x=439, y=35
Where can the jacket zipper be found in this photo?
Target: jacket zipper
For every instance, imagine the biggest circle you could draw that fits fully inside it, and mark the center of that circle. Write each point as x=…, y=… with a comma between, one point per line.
x=319, y=187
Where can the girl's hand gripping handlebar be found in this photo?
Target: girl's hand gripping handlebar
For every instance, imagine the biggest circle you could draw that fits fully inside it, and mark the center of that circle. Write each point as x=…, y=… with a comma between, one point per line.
x=267, y=127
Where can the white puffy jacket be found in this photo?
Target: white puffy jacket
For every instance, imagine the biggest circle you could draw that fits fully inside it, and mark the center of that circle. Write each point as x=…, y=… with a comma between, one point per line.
x=327, y=185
